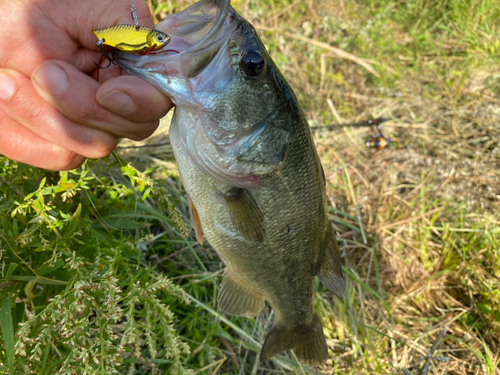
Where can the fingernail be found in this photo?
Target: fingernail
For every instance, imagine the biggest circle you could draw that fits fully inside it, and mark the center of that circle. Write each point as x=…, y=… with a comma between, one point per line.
x=51, y=78
x=7, y=86
x=118, y=101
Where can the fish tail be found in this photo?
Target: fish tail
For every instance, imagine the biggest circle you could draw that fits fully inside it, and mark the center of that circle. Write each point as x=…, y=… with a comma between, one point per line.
x=308, y=342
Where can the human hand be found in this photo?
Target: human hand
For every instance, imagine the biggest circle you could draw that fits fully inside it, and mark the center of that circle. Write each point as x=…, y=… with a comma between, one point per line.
x=53, y=113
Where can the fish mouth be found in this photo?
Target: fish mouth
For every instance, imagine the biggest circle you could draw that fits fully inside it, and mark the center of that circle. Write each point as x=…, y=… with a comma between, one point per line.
x=197, y=33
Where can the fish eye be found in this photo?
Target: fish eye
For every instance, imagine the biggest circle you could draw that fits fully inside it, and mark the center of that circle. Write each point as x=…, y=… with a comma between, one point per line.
x=253, y=63
x=160, y=38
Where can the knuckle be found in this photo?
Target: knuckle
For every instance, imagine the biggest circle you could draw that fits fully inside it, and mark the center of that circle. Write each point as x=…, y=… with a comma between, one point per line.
x=86, y=113
x=89, y=113
x=30, y=110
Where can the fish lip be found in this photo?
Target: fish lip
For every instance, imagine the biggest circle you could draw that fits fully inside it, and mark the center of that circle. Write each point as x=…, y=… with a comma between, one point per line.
x=215, y=29
x=224, y=6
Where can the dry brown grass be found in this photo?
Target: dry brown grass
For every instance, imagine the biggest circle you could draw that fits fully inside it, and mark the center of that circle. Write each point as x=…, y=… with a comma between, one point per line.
x=429, y=213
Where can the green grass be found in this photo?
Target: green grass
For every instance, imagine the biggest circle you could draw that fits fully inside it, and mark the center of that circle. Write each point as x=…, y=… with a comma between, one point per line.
x=418, y=227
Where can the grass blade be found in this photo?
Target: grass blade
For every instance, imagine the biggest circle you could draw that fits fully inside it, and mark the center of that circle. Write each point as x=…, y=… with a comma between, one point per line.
x=45, y=357
x=8, y=330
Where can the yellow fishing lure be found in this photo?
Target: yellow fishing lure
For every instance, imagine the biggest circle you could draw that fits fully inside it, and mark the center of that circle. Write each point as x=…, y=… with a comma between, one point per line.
x=130, y=38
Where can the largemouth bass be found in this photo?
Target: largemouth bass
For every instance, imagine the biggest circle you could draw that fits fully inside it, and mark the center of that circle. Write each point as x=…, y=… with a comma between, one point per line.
x=248, y=162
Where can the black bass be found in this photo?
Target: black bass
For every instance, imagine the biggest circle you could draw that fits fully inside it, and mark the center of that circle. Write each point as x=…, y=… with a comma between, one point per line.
x=248, y=162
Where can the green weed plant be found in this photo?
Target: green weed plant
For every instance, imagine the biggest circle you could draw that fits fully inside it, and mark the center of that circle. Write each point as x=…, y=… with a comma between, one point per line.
x=74, y=285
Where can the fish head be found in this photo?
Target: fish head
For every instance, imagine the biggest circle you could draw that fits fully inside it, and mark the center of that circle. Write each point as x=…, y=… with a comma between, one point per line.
x=234, y=108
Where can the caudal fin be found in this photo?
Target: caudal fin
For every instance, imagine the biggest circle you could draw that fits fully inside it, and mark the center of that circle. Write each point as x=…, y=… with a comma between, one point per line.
x=308, y=342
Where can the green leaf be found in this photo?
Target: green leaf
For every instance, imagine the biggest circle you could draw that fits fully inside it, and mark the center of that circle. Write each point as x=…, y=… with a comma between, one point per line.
x=46, y=269
x=150, y=170
x=51, y=281
x=41, y=280
x=10, y=270
x=42, y=183
x=496, y=315
x=160, y=361
x=28, y=289
x=8, y=330
x=15, y=228
x=5, y=206
x=73, y=224
x=45, y=357
x=469, y=319
x=485, y=308
x=146, y=193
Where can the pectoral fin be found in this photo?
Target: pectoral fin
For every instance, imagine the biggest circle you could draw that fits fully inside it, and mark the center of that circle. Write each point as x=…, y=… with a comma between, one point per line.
x=330, y=269
x=244, y=213
x=237, y=298
x=195, y=221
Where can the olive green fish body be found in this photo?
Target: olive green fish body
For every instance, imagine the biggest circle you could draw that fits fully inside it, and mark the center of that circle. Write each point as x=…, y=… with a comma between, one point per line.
x=293, y=203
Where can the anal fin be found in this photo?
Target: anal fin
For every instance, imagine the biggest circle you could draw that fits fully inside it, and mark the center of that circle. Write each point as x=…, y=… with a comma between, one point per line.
x=330, y=269
x=195, y=221
x=308, y=342
x=237, y=298
x=244, y=213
